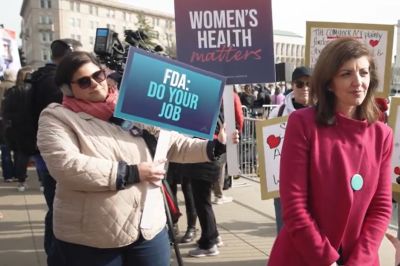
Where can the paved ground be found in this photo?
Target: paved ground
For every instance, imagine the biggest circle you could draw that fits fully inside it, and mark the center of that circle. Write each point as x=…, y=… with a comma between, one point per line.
x=247, y=227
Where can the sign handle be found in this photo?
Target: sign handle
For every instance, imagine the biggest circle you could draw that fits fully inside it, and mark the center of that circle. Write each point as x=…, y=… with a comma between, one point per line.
x=230, y=127
x=152, y=202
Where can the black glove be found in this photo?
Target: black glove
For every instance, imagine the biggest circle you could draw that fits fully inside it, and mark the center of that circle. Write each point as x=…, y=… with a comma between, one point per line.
x=215, y=149
x=127, y=175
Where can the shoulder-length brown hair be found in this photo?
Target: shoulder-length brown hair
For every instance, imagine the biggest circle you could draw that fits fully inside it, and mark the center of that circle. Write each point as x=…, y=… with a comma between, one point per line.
x=332, y=57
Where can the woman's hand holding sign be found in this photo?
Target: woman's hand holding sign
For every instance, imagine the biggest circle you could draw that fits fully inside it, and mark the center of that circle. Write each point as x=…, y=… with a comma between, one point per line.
x=223, y=138
x=152, y=172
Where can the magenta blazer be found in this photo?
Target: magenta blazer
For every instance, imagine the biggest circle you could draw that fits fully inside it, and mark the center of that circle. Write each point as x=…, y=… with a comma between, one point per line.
x=335, y=188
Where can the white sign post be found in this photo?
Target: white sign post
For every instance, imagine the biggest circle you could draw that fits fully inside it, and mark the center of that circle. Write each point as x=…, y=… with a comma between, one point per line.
x=153, y=200
x=230, y=127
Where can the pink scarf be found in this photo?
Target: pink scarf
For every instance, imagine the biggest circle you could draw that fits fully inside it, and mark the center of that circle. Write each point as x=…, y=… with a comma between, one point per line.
x=101, y=110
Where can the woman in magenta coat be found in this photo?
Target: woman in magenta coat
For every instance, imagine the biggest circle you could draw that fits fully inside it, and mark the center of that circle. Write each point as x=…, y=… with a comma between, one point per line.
x=335, y=183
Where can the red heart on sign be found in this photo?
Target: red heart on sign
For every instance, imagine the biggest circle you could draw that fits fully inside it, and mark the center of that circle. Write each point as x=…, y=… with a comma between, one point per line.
x=397, y=170
x=273, y=141
x=373, y=43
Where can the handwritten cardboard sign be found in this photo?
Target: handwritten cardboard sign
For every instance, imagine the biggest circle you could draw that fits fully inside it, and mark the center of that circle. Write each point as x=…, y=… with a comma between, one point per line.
x=394, y=123
x=231, y=38
x=270, y=135
x=162, y=92
x=379, y=39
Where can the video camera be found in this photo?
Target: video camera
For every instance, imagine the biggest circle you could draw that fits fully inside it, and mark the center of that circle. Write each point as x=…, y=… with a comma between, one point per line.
x=113, y=53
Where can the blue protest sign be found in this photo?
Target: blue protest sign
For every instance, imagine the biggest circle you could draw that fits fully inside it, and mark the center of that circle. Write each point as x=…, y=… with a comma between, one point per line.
x=162, y=92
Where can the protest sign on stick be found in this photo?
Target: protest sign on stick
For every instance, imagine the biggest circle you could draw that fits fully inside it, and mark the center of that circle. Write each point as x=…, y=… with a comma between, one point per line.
x=231, y=38
x=270, y=137
x=378, y=38
x=169, y=94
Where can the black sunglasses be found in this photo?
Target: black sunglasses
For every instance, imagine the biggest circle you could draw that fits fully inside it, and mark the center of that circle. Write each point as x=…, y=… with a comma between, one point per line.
x=86, y=82
x=301, y=84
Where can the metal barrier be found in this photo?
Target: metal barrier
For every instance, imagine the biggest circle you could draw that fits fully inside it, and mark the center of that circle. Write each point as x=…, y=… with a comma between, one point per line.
x=246, y=111
x=259, y=112
x=267, y=108
x=248, y=159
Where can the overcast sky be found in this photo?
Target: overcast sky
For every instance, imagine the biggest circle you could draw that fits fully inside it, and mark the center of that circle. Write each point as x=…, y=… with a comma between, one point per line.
x=289, y=15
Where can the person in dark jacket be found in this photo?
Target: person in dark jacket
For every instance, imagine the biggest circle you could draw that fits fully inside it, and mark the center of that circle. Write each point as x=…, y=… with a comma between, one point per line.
x=47, y=92
x=15, y=124
x=263, y=97
x=247, y=97
x=7, y=164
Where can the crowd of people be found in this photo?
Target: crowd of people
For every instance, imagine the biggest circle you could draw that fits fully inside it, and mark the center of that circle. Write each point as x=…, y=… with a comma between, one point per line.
x=334, y=165
x=259, y=99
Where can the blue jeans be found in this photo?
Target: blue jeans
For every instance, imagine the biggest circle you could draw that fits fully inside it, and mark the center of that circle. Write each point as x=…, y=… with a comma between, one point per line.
x=278, y=214
x=7, y=164
x=155, y=252
x=49, y=186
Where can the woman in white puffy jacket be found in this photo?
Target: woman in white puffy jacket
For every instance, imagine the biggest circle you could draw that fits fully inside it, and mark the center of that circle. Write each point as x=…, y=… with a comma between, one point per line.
x=102, y=172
